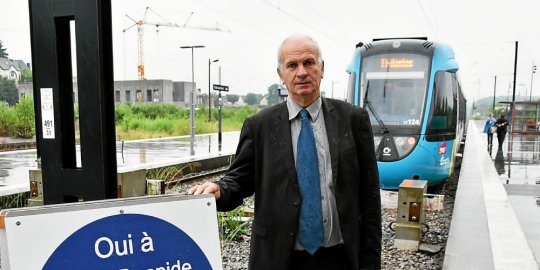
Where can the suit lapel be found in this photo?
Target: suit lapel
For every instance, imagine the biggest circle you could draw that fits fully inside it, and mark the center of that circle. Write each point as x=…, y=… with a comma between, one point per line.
x=331, y=121
x=282, y=129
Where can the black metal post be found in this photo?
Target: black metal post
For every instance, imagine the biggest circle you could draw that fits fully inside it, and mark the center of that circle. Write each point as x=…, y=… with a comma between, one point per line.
x=219, y=121
x=50, y=23
x=515, y=71
x=514, y=91
x=494, y=91
x=209, y=94
x=532, y=76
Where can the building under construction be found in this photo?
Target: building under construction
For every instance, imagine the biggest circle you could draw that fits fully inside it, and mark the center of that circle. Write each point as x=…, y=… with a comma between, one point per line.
x=157, y=91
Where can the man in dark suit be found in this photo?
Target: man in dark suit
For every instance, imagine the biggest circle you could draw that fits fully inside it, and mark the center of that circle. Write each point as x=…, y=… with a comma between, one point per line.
x=336, y=226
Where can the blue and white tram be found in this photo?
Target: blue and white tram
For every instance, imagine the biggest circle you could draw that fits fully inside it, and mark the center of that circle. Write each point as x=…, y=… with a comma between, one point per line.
x=413, y=95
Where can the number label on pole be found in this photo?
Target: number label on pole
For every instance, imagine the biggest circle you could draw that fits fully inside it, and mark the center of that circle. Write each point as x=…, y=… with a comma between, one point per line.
x=47, y=113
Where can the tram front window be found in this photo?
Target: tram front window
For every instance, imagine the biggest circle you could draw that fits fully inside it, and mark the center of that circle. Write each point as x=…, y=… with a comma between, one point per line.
x=394, y=88
x=397, y=102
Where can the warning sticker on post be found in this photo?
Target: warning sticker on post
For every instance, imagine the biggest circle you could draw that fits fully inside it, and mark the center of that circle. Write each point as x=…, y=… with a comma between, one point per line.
x=47, y=113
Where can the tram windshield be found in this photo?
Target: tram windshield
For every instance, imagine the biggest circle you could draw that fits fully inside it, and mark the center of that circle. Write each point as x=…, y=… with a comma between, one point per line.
x=394, y=88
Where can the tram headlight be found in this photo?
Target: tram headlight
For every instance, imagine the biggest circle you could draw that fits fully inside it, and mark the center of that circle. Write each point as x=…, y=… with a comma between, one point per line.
x=404, y=144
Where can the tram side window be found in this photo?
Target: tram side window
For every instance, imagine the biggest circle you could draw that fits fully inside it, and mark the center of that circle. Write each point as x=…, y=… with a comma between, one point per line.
x=462, y=102
x=443, y=112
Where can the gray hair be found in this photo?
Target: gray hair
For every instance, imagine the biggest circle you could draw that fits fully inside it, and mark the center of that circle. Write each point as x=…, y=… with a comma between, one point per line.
x=319, y=53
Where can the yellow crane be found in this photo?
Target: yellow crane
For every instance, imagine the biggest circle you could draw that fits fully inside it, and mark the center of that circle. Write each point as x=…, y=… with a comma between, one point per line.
x=140, y=34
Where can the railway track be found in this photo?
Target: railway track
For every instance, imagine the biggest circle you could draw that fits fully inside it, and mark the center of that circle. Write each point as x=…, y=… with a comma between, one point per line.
x=193, y=178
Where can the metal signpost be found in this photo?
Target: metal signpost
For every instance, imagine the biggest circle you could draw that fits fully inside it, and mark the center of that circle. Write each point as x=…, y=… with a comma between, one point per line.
x=210, y=94
x=220, y=88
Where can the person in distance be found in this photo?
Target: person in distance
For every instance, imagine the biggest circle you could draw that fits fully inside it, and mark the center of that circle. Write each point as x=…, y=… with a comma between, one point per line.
x=490, y=122
x=502, y=126
x=311, y=164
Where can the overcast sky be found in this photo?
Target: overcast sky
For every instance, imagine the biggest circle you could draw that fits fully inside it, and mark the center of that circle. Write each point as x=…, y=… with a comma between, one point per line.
x=482, y=33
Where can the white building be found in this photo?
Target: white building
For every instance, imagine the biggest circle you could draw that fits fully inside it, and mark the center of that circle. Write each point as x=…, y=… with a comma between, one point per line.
x=12, y=68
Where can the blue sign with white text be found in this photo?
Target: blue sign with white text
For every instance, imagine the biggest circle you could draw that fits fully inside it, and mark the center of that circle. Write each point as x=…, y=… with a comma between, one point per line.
x=128, y=241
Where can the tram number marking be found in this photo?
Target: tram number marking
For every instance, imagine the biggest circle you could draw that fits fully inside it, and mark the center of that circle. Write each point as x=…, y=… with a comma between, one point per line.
x=415, y=122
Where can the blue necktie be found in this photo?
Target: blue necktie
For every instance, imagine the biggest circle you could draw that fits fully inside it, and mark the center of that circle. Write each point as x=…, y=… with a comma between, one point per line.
x=311, y=233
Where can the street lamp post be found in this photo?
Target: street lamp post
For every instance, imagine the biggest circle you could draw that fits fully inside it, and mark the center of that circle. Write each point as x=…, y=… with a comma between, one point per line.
x=333, y=82
x=192, y=98
x=209, y=95
x=494, y=91
x=532, y=76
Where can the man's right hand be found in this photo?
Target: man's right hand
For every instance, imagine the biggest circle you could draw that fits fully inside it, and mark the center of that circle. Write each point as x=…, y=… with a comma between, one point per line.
x=205, y=188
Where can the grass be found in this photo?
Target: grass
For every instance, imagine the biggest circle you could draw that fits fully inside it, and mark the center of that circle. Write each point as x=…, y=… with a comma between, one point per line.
x=15, y=200
x=139, y=131
x=172, y=173
x=231, y=226
x=135, y=122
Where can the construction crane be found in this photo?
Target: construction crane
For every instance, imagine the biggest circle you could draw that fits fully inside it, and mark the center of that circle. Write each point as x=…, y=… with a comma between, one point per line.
x=140, y=34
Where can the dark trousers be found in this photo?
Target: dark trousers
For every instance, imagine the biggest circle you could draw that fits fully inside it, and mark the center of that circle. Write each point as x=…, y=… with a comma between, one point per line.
x=334, y=258
x=500, y=137
x=490, y=138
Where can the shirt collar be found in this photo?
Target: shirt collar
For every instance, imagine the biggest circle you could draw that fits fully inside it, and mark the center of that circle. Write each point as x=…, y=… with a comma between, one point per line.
x=313, y=109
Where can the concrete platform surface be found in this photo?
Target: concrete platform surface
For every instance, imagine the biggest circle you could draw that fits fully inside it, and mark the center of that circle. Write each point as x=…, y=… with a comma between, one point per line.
x=495, y=221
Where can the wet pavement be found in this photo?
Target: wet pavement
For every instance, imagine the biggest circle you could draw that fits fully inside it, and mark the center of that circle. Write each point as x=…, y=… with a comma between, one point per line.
x=14, y=168
x=518, y=165
x=14, y=165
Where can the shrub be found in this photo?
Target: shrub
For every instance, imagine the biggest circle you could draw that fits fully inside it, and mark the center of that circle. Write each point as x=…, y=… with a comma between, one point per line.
x=121, y=112
x=6, y=119
x=156, y=120
x=232, y=226
x=24, y=122
x=153, y=111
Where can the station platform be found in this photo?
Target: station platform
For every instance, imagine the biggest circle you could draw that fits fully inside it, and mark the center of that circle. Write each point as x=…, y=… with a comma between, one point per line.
x=496, y=218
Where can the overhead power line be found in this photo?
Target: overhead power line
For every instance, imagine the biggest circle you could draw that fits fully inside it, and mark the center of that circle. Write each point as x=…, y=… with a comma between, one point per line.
x=305, y=23
x=428, y=20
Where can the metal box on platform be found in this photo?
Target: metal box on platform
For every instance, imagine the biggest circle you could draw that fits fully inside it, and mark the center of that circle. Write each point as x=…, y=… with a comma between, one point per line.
x=410, y=214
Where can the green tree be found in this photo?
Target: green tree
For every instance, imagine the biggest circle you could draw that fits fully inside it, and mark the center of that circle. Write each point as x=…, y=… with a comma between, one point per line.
x=8, y=91
x=252, y=99
x=232, y=98
x=26, y=76
x=3, y=52
x=273, y=94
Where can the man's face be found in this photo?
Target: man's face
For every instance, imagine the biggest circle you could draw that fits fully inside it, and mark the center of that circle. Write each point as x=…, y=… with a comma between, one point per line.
x=301, y=70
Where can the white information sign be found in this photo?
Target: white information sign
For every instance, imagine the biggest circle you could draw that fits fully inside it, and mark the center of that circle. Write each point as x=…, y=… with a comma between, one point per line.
x=47, y=113
x=167, y=232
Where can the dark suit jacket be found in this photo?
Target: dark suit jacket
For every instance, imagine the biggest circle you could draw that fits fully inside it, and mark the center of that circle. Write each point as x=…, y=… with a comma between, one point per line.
x=264, y=165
